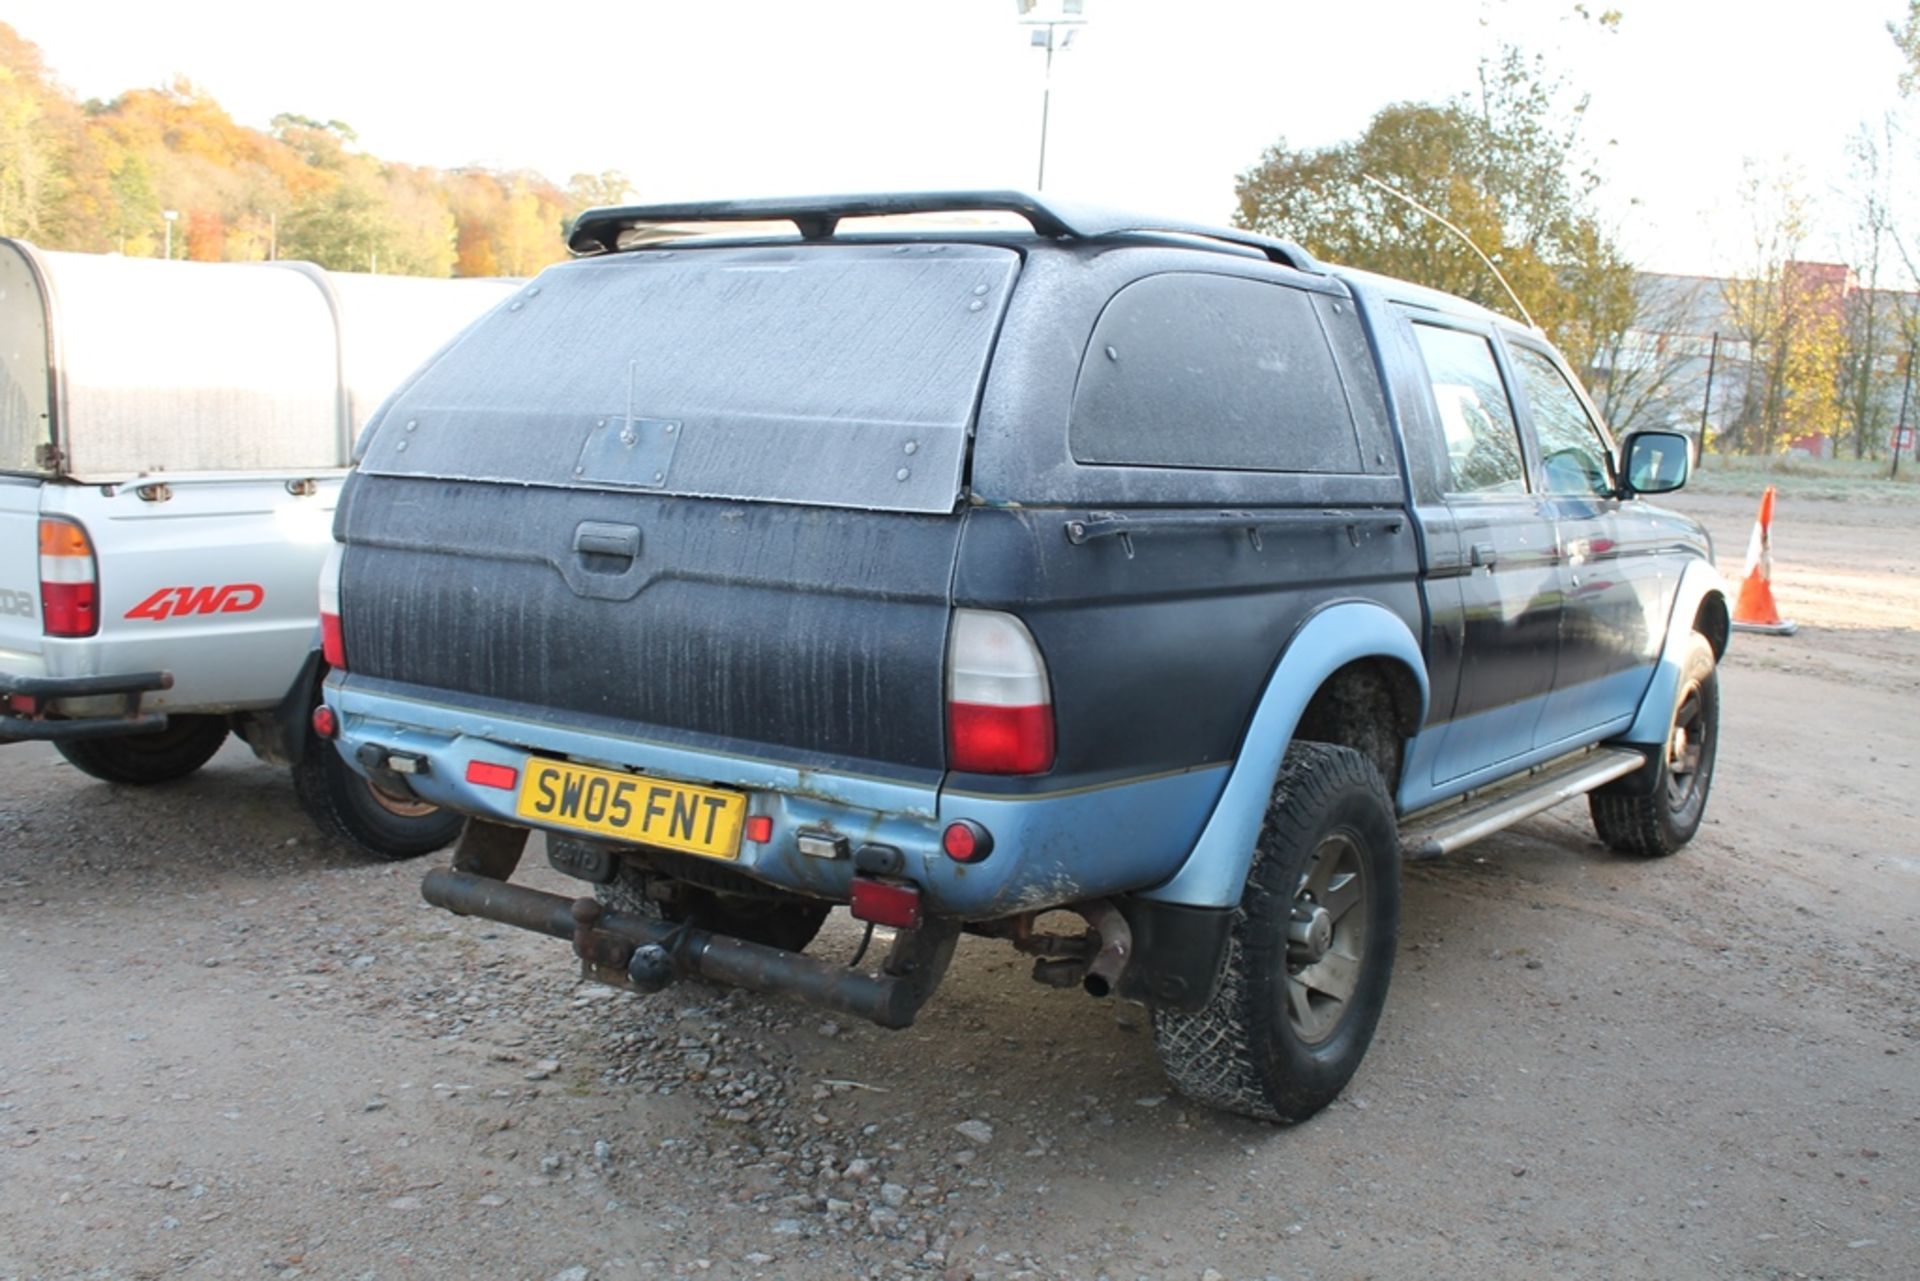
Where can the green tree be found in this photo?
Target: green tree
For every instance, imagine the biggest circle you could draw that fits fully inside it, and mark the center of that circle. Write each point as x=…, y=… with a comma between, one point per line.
x=1503, y=164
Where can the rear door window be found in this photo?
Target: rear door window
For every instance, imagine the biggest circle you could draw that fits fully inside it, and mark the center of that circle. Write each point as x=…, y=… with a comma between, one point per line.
x=1214, y=372
x=1482, y=439
x=836, y=375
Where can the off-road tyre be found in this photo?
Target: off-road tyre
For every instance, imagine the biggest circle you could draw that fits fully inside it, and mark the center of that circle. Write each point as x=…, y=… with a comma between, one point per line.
x=774, y=923
x=1661, y=821
x=1249, y=1051
x=354, y=811
x=187, y=743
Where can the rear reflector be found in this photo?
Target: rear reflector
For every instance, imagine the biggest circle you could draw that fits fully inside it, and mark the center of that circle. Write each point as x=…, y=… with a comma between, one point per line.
x=759, y=828
x=487, y=774
x=965, y=841
x=69, y=581
x=885, y=903
x=325, y=723
x=999, y=702
x=333, y=643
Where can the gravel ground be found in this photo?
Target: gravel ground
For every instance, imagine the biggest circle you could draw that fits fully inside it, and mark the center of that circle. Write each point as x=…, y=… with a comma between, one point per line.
x=230, y=1049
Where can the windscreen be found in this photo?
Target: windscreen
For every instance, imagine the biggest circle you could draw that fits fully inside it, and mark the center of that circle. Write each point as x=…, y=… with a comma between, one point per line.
x=838, y=375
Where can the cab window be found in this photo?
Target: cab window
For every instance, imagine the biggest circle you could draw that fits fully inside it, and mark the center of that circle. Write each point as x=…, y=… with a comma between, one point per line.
x=1572, y=450
x=1483, y=443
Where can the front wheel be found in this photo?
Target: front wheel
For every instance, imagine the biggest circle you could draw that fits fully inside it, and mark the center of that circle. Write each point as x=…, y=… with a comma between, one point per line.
x=187, y=743
x=1311, y=951
x=351, y=809
x=1660, y=822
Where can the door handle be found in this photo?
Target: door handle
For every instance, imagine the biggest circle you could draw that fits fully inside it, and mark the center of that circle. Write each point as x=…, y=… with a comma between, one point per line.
x=599, y=538
x=1484, y=554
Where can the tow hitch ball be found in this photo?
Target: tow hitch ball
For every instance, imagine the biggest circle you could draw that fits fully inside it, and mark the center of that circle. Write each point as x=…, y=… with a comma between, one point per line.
x=651, y=968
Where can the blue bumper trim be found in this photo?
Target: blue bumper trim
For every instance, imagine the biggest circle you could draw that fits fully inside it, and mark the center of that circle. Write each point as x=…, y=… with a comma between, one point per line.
x=1048, y=849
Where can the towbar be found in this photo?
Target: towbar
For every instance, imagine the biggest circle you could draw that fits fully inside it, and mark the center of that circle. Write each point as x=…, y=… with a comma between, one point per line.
x=605, y=942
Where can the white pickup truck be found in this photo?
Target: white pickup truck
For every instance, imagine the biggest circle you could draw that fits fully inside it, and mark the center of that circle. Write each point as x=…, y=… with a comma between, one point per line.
x=173, y=437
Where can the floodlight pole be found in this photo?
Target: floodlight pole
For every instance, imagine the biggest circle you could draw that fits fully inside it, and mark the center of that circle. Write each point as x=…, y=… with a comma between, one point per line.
x=1054, y=41
x=1046, y=109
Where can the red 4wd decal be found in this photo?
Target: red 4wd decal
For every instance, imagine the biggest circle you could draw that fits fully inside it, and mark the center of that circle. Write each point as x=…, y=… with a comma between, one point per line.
x=173, y=602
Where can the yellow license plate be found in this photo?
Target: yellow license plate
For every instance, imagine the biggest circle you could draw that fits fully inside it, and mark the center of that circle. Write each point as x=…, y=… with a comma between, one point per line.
x=631, y=808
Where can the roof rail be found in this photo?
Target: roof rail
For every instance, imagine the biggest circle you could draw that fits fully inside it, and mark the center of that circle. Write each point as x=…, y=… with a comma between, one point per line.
x=598, y=231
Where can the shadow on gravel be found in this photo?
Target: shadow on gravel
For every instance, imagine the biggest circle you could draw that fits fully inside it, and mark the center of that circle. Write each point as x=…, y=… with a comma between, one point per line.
x=1070, y=1087
x=64, y=835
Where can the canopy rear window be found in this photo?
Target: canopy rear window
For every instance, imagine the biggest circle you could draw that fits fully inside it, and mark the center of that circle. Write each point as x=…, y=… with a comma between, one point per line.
x=1218, y=372
x=843, y=375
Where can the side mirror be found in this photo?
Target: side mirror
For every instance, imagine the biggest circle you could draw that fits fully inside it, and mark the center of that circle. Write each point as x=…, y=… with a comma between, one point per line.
x=1655, y=462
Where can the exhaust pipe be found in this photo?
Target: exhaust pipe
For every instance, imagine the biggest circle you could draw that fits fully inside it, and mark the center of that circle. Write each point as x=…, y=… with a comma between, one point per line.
x=1116, y=946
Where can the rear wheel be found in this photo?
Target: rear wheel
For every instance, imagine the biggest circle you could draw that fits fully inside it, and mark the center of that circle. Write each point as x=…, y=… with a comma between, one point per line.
x=187, y=743
x=785, y=924
x=354, y=810
x=1311, y=952
x=1660, y=822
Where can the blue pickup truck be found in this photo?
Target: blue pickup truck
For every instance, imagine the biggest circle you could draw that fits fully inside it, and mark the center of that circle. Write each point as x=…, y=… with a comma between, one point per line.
x=775, y=556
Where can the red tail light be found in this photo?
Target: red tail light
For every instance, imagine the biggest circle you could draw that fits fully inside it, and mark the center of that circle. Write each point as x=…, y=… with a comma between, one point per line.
x=999, y=703
x=333, y=642
x=69, y=579
x=1000, y=740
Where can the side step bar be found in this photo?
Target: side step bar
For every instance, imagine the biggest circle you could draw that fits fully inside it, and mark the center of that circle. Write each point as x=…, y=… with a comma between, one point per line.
x=1437, y=831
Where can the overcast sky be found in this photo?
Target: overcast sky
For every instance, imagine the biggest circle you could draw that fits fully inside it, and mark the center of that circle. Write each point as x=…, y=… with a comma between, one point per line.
x=1157, y=106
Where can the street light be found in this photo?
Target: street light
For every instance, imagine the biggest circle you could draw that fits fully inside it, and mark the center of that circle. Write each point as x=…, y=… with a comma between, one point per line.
x=1055, y=31
x=170, y=215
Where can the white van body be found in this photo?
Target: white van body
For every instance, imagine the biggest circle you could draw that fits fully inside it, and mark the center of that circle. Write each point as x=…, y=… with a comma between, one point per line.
x=196, y=421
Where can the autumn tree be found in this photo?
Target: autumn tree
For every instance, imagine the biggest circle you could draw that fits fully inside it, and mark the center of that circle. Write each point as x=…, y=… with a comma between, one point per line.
x=596, y=191
x=508, y=224
x=1880, y=322
x=1789, y=314
x=39, y=136
x=100, y=176
x=1503, y=164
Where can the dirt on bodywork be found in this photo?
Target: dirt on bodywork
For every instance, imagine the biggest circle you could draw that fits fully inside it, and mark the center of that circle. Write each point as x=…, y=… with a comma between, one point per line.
x=227, y=1049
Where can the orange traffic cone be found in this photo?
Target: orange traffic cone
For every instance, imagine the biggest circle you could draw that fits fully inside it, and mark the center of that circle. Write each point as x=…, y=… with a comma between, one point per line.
x=1755, y=611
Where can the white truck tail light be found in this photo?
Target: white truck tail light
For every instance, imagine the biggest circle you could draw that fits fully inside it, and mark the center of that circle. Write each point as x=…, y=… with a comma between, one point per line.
x=69, y=579
x=333, y=645
x=999, y=703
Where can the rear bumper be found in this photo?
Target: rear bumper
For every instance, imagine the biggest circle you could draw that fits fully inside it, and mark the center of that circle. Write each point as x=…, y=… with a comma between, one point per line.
x=1049, y=849
x=37, y=692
